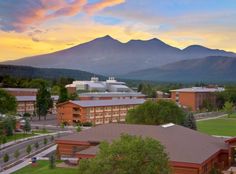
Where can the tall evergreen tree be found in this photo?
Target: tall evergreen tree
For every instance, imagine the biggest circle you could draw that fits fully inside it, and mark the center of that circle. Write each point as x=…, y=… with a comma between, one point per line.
x=7, y=102
x=63, y=95
x=190, y=121
x=43, y=101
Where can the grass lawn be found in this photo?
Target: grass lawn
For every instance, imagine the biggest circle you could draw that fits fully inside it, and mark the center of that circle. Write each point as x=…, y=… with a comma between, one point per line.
x=43, y=168
x=232, y=115
x=221, y=126
x=18, y=136
x=41, y=131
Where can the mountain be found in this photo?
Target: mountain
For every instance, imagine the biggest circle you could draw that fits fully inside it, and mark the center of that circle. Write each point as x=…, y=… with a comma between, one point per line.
x=209, y=69
x=108, y=56
x=46, y=73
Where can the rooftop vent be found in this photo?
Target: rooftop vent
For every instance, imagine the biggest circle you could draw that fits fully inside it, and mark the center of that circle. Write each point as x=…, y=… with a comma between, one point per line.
x=167, y=125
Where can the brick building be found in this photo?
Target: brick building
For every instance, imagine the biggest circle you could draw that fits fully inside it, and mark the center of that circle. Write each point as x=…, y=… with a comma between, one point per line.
x=95, y=111
x=27, y=104
x=21, y=91
x=111, y=95
x=194, y=97
x=190, y=152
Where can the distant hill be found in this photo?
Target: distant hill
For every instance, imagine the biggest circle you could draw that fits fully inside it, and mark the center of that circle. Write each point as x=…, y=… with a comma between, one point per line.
x=47, y=73
x=108, y=56
x=209, y=69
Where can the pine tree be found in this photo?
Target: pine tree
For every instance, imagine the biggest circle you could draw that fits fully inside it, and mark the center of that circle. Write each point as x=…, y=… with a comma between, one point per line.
x=190, y=121
x=52, y=162
x=43, y=101
x=63, y=96
x=27, y=126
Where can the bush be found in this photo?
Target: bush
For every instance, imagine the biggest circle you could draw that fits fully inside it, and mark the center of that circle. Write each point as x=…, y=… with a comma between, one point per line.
x=28, y=149
x=78, y=129
x=36, y=145
x=5, y=158
x=27, y=115
x=45, y=141
x=16, y=154
x=4, y=139
x=87, y=124
x=52, y=138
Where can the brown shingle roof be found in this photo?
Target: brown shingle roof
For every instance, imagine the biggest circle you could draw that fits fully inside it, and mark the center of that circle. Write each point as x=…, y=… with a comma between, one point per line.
x=182, y=144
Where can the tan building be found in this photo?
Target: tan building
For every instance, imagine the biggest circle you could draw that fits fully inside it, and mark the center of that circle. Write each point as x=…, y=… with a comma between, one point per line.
x=95, y=111
x=194, y=97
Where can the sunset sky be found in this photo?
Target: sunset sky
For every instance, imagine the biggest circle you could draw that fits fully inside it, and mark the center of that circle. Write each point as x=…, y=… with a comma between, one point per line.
x=31, y=27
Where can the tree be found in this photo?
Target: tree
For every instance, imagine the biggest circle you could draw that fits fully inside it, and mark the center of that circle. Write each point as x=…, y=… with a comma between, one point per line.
x=9, y=124
x=45, y=141
x=207, y=104
x=52, y=162
x=16, y=154
x=27, y=126
x=128, y=155
x=26, y=115
x=36, y=145
x=28, y=149
x=5, y=158
x=43, y=102
x=63, y=95
x=78, y=129
x=7, y=102
x=190, y=121
x=156, y=113
x=228, y=108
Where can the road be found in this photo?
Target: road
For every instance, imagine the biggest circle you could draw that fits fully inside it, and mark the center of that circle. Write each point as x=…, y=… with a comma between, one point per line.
x=21, y=147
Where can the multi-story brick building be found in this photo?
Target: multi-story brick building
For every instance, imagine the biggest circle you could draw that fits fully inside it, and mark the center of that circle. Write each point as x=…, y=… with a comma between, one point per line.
x=22, y=91
x=194, y=97
x=95, y=111
x=189, y=151
x=111, y=95
x=27, y=104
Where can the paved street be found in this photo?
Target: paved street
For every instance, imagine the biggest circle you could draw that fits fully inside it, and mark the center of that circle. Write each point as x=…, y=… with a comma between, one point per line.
x=21, y=147
x=27, y=161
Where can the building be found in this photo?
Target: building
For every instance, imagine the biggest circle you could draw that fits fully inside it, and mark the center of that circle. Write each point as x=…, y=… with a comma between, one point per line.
x=95, y=111
x=194, y=97
x=111, y=95
x=110, y=85
x=21, y=91
x=26, y=100
x=27, y=104
x=190, y=152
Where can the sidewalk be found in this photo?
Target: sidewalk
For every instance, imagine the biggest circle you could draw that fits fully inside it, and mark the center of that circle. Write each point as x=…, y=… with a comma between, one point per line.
x=28, y=160
x=3, y=146
x=212, y=118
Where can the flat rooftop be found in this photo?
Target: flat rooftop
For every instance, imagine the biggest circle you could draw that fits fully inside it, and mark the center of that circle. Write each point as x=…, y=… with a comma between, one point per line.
x=21, y=89
x=199, y=89
x=182, y=144
x=91, y=103
x=111, y=94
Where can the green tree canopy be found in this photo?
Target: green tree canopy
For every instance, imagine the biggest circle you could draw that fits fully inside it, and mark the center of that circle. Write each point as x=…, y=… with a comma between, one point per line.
x=128, y=155
x=228, y=107
x=7, y=102
x=43, y=102
x=63, y=95
x=156, y=113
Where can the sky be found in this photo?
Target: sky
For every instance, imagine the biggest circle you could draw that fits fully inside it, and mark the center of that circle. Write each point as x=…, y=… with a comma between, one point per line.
x=33, y=27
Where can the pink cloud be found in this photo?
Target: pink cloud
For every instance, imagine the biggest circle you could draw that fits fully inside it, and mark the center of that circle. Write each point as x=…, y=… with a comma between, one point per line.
x=92, y=8
x=18, y=15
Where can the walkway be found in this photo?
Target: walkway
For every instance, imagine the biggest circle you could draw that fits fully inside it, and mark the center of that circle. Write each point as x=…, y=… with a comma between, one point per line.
x=28, y=160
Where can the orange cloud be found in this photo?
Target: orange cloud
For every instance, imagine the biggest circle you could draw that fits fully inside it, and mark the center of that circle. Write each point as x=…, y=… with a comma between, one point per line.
x=92, y=8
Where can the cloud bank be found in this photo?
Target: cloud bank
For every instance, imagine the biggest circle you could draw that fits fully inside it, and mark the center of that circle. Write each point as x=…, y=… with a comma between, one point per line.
x=18, y=15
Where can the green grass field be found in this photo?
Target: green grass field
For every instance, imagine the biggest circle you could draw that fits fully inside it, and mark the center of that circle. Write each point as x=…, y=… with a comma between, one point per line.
x=221, y=126
x=43, y=168
x=18, y=136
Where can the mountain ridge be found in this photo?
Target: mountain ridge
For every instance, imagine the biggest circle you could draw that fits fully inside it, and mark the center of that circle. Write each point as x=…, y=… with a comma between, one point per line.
x=108, y=56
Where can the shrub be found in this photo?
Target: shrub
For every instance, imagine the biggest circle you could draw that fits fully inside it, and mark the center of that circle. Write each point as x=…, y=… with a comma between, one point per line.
x=45, y=141
x=16, y=154
x=28, y=149
x=36, y=145
x=5, y=158
x=87, y=124
x=78, y=129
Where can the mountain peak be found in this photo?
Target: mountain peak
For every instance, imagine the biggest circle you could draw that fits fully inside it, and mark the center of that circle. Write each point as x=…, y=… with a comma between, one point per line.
x=195, y=47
